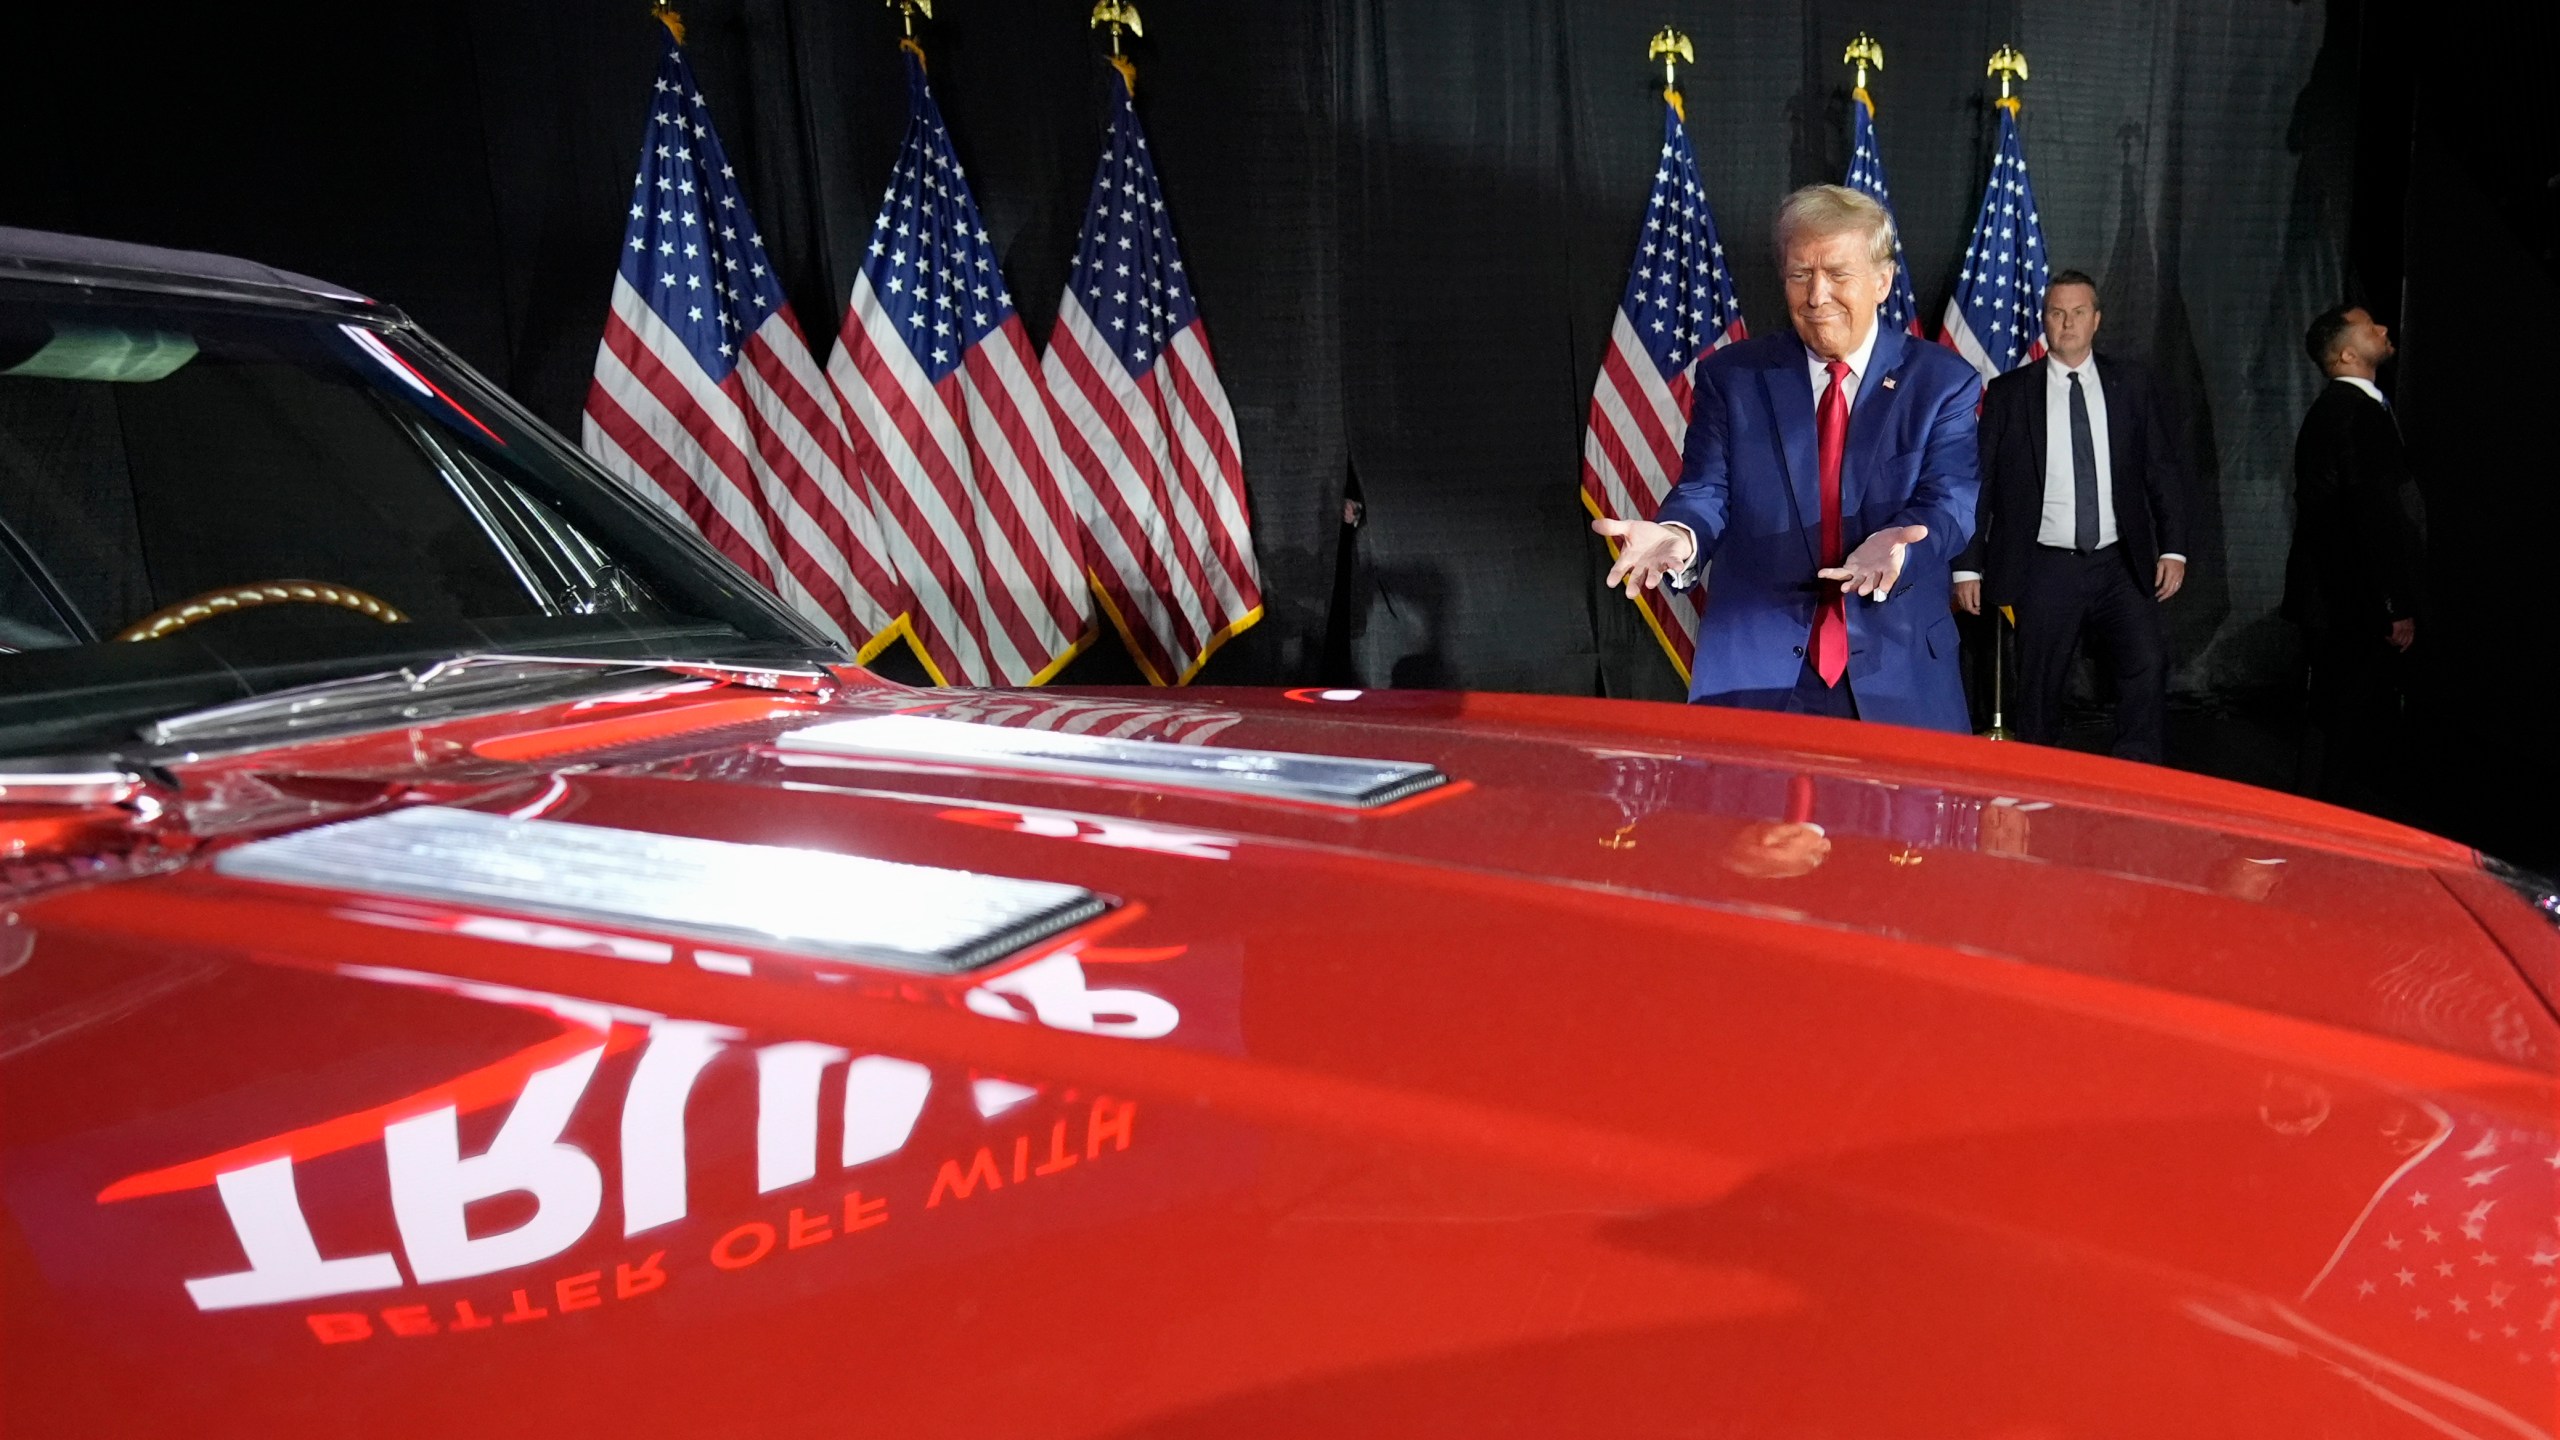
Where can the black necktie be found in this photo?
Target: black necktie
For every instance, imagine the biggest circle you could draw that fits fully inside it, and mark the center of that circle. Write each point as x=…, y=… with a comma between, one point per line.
x=2084, y=472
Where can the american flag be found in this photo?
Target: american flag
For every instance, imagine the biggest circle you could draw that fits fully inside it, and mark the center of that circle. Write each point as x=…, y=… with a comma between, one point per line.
x=1996, y=317
x=2453, y=1268
x=1866, y=176
x=1678, y=306
x=1151, y=444
x=951, y=425
x=706, y=398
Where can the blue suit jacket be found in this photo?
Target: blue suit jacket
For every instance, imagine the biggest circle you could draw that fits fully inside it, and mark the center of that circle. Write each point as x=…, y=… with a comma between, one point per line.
x=1749, y=489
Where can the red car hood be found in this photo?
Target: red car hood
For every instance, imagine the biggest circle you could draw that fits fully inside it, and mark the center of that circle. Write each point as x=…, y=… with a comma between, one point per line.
x=1665, y=1073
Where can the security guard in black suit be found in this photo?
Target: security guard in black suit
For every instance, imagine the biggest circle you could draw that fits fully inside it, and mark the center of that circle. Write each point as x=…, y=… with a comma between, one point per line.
x=2083, y=522
x=2355, y=578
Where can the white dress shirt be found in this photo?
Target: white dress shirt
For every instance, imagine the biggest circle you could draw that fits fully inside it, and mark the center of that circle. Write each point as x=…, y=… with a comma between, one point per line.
x=1819, y=371
x=2059, y=524
x=2367, y=387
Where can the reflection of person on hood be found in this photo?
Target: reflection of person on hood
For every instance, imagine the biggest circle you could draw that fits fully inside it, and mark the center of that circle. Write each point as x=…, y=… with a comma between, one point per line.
x=1777, y=849
x=1798, y=842
x=1781, y=849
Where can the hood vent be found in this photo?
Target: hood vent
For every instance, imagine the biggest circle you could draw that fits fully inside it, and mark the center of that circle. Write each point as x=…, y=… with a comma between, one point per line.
x=1342, y=781
x=812, y=902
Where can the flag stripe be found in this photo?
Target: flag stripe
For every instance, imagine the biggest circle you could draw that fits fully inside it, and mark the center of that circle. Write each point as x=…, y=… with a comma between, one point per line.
x=1185, y=459
x=631, y=452
x=1131, y=537
x=916, y=438
x=1205, y=462
x=918, y=489
x=710, y=417
x=1151, y=452
x=1641, y=425
x=953, y=429
x=702, y=397
x=1641, y=384
x=1016, y=407
x=1012, y=592
x=783, y=379
x=1146, y=480
x=1678, y=305
x=622, y=366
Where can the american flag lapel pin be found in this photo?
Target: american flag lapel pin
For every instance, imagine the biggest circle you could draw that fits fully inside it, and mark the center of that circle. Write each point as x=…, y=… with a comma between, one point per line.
x=1889, y=382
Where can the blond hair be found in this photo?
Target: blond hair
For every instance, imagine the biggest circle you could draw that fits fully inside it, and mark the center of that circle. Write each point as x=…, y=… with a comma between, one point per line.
x=1835, y=210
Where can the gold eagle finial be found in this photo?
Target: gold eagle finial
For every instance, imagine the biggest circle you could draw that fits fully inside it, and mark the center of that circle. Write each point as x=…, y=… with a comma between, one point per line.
x=1668, y=46
x=2009, y=65
x=1119, y=15
x=909, y=9
x=1863, y=52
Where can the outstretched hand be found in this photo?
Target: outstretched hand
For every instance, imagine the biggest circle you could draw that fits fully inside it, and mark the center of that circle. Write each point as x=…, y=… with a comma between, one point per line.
x=1872, y=568
x=1646, y=553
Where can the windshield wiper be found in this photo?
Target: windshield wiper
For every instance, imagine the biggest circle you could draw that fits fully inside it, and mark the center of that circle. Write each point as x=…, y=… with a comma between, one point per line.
x=465, y=685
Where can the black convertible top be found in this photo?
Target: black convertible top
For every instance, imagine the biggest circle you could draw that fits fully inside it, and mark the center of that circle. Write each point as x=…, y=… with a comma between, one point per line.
x=45, y=254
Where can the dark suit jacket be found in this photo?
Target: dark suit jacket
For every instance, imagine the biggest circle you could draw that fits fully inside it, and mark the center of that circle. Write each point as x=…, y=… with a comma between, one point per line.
x=1750, y=489
x=2148, y=478
x=2359, y=542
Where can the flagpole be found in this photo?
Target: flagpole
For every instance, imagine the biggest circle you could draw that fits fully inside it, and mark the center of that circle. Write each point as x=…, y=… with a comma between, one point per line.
x=2008, y=65
x=1999, y=656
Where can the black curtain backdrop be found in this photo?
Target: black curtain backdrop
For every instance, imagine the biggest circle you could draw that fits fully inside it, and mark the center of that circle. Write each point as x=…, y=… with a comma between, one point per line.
x=1408, y=222
x=2469, y=268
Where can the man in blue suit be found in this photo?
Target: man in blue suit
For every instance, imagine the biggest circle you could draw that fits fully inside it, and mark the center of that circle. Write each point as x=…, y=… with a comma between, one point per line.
x=1830, y=475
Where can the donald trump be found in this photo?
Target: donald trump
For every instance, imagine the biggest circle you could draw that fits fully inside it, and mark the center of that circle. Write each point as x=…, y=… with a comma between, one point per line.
x=1830, y=475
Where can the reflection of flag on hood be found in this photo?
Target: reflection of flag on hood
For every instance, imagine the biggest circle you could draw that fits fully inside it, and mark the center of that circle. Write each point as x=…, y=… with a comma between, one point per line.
x=706, y=399
x=1154, y=461
x=2451, y=1275
x=1678, y=306
x=1996, y=317
x=1866, y=176
x=950, y=423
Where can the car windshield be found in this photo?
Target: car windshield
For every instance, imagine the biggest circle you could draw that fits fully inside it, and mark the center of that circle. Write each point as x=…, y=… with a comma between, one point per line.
x=206, y=499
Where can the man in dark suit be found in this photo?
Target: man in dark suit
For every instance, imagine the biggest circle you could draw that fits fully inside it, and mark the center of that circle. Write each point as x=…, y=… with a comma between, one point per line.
x=1829, y=475
x=2083, y=522
x=2354, y=579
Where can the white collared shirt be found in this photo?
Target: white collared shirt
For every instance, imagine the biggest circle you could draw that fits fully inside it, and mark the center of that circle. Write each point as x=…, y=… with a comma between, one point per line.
x=2059, y=522
x=2060, y=525
x=1820, y=369
x=2367, y=387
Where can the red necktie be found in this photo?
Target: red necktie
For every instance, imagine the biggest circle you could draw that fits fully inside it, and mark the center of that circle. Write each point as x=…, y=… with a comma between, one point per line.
x=1799, y=799
x=1830, y=619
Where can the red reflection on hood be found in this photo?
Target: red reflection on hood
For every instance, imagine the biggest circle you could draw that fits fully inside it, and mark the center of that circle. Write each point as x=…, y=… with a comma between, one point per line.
x=492, y=1084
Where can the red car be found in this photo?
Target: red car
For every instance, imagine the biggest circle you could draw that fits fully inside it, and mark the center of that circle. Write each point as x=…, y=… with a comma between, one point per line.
x=471, y=964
